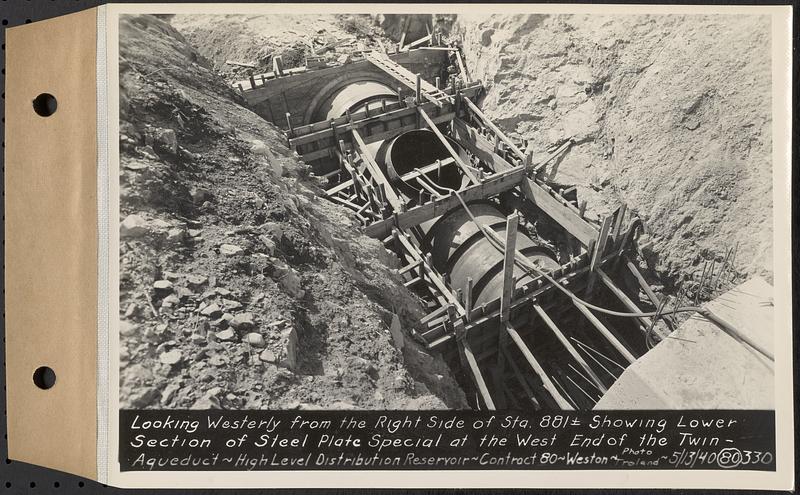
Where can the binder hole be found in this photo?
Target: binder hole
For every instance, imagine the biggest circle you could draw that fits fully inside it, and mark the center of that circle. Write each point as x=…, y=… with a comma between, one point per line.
x=45, y=104
x=44, y=377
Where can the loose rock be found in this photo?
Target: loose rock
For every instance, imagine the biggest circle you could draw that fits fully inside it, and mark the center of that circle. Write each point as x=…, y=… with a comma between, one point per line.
x=230, y=250
x=163, y=285
x=267, y=356
x=132, y=227
x=254, y=339
x=226, y=335
x=212, y=310
x=242, y=321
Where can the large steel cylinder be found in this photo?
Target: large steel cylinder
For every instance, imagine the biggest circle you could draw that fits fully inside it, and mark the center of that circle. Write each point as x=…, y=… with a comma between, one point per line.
x=457, y=246
x=354, y=97
x=414, y=150
x=462, y=251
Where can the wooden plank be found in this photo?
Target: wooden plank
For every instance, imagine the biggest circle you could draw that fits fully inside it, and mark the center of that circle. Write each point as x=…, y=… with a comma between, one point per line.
x=477, y=376
x=448, y=146
x=475, y=143
x=420, y=41
x=627, y=301
x=521, y=379
x=468, y=298
x=569, y=347
x=439, y=48
x=426, y=169
x=478, y=145
x=488, y=123
x=537, y=368
x=598, y=248
x=391, y=106
x=415, y=216
x=612, y=339
x=432, y=274
x=602, y=241
x=377, y=174
x=326, y=150
x=461, y=66
x=618, y=219
x=568, y=219
x=654, y=299
x=508, y=266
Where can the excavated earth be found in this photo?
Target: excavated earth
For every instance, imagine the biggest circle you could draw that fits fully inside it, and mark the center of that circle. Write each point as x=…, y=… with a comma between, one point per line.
x=240, y=287
x=670, y=114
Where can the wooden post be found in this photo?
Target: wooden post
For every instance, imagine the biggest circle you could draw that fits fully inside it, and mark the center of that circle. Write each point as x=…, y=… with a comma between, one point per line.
x=377, y=174
x=612, y=339
x=537, y=368
x=438, y=82
x=619, y=218
x=508, y=266
x=447, y=145
x=418, y=89
x=582, y=208
x=468, y=299
x=597, y=254
x=277, y=66
x=403, y=35
x=289, y=123
x=570, y=348
x=468, y=360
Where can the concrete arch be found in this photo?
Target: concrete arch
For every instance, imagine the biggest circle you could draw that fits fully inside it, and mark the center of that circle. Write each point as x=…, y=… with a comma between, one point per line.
x=334, y=86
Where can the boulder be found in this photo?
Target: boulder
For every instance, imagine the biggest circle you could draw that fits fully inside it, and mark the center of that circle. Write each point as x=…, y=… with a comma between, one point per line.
x=267, y=356
x=164, y=139
x=242, y=321
x=127, y=328
x=230, y=250
x=132, y=226
x=172, y=357
x=162, y=286
x=176, y=235
x=201, y=195
x=397, y=333
x=254, y=339
x=212, y=310
x=288, y=279
x=206, y=403
x=144, y=397
x=289, y=348
x=169, y=392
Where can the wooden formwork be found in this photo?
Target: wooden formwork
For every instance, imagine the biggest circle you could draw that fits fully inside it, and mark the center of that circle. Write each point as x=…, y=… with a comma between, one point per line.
x=495, y=342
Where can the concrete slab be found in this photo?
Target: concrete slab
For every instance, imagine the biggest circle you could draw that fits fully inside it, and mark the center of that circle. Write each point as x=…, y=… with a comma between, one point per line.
x=700, y=366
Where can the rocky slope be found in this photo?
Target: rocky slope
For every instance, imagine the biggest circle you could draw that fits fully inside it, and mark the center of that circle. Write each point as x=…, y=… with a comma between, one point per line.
x=240, y=287
x=671, y=114
x=256, y=39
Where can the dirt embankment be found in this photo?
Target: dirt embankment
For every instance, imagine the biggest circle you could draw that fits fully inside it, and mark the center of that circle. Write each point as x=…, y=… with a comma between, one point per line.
x=256, y=39
x=672, y=115
x=240, y=287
